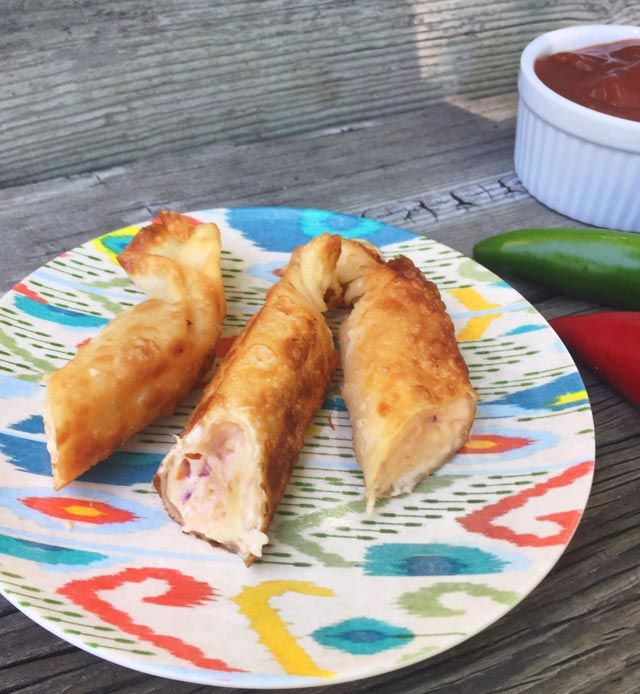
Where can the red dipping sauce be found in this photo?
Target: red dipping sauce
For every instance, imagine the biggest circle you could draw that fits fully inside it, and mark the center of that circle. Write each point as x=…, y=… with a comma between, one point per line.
x=605, y=77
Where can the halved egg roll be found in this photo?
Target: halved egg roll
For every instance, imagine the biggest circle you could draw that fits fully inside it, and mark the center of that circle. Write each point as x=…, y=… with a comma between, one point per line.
x=225, y=475
x=406, y=385
x=144, y=361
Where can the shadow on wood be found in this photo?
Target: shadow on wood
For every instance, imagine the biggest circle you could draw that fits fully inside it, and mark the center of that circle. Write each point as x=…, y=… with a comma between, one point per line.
x=419, y=170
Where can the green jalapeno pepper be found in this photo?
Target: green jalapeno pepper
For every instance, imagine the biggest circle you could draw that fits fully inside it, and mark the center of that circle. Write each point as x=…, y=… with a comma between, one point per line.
x=597, y=264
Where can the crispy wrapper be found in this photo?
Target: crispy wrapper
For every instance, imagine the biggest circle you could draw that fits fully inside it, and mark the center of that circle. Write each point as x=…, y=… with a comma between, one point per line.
x=224, y=477
x=145, y=360
x=406, y=385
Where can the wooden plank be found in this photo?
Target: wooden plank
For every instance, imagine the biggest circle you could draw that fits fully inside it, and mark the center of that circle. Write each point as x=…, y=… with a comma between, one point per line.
x=93, y=84
x=77, y=672
x=24, y=644
x=578, y=631
x=6, y=608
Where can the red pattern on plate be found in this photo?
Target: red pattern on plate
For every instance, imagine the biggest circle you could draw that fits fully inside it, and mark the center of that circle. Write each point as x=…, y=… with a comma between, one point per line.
x=78, y=510
x=482, y=520
x=183, y=591
x=22, y=288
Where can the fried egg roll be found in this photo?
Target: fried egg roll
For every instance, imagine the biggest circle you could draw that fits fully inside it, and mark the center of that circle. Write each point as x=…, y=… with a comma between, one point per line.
x=144, y=361
x=225, y=475
x=406, y=385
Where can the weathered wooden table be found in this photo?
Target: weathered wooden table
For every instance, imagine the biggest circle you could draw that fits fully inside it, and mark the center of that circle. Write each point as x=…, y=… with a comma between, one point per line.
x=445, y=172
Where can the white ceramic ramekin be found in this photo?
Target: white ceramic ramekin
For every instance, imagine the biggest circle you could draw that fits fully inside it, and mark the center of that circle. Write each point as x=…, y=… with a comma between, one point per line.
x=580, y=162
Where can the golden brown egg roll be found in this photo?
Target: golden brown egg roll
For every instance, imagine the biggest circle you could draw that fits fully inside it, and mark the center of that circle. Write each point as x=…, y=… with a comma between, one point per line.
x=144, y=361
x=406, y=385
x=224, y=477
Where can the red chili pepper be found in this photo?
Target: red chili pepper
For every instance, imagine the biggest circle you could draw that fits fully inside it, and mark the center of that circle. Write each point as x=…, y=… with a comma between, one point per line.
x=609, y=343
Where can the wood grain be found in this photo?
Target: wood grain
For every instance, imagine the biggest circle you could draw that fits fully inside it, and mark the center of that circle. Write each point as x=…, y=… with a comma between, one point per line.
x=579, y=630
x=93, y=83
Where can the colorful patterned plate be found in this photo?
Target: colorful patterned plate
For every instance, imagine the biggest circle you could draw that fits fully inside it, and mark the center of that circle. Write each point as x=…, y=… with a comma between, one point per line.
x=337, y=596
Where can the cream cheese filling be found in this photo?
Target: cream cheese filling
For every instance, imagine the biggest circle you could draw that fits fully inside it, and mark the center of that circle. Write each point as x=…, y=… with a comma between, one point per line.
x=216, y=488
x=426, y=441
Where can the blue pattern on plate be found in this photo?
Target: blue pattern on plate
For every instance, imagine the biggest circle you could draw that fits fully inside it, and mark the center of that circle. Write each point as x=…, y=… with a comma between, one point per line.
x=363, y=636
x=281, y=229
x=45, y=553
x=430, y=560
